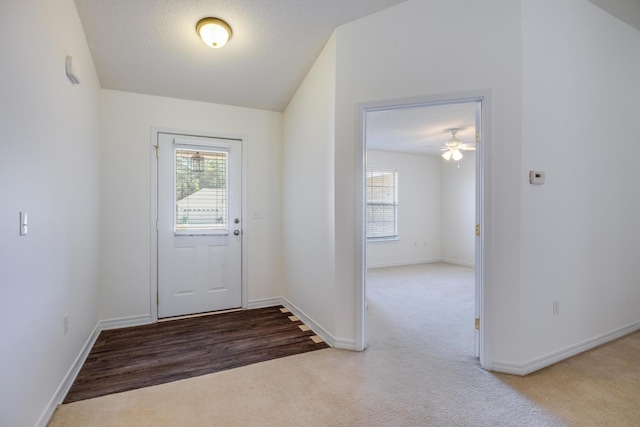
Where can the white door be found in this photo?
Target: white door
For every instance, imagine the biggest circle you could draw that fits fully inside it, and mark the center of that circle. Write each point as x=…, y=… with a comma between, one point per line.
x=199, y=224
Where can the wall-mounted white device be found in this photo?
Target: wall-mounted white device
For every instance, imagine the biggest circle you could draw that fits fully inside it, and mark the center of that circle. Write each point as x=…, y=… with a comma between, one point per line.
x=536, y=177
x=69, y=69
x=23, y=223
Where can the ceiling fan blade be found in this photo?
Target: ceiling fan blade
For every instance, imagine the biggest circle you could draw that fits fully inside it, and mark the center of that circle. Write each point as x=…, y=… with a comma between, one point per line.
x=470, y=147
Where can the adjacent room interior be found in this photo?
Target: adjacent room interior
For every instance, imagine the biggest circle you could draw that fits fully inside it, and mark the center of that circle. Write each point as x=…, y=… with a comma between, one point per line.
x=421, y=213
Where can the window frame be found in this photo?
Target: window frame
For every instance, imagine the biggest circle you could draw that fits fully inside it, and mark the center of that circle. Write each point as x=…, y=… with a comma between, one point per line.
x=205, y=229
x=393, y=236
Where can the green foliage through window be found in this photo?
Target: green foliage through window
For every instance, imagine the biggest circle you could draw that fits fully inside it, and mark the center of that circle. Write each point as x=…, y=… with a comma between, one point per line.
x=201, y=193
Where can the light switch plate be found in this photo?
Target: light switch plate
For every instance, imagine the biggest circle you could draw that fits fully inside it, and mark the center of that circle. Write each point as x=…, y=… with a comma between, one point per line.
x=23, y=223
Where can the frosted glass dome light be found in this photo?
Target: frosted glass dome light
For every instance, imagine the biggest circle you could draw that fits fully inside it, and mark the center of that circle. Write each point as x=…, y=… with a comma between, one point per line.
x=214, y=32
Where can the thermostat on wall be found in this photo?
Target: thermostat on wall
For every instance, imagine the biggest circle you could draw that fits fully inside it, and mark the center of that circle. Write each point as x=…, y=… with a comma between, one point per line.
x=536, y=177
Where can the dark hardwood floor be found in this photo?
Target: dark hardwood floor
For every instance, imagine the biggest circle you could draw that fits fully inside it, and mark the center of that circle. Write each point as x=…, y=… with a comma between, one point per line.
x=142, y=356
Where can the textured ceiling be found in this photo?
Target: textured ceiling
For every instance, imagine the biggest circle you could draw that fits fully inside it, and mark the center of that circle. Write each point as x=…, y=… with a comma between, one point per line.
x=151, y=46
x=420, y=130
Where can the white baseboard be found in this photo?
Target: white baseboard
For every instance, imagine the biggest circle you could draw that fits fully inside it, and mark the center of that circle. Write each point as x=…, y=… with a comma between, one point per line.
x=125, y=322
x=68, y=380
x=422, y=261
x=458, y=262
x=266, y=302
x=557, y=356
x=403, y=263
x=344, y=344
x=315, y=327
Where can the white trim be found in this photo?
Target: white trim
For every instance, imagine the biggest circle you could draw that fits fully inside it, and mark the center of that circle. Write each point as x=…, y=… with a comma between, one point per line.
x=315, y=327
x=485, y=97
x=153, y=224
x=484, y=217
x=153, y=244
x=460, y=263
x=265, y=302
x=245, y=221
x=193, y=142
x=557, y=356
x=344, y=344
x=420, y=261
x=69, y=378
x=125, y=322
x=403, y=263
x=383, y=239
x=360, y=231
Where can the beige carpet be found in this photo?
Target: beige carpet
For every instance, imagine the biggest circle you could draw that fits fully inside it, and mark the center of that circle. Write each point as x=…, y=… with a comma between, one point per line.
x=600, y=387
x=419, y=370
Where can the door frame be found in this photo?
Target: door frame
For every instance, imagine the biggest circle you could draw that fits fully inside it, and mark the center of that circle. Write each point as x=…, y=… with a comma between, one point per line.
x=153, y=232
x=483, y=209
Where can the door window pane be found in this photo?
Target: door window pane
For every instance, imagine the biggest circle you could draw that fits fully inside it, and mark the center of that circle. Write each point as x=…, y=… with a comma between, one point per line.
x=201, y=190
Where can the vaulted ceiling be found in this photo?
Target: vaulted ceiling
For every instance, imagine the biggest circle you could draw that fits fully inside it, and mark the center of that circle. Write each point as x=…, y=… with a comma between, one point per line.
x=151, y=46
x=625, y=10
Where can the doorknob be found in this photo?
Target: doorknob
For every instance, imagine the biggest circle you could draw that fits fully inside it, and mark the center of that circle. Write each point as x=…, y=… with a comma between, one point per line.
x=236, y=233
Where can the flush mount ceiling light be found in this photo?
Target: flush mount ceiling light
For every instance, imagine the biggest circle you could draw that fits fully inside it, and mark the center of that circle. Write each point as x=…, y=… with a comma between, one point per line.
x=214, y=32
x=453, y=146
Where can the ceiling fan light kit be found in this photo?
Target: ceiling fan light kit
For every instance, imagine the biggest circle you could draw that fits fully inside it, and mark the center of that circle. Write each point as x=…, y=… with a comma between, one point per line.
x=214, y=32
x=453, y=146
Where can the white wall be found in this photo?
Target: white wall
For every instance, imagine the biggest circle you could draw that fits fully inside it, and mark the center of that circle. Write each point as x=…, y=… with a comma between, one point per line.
x=308, y=189
x=458, y=204
x=581, y=101
x=416, y=60
x=50, y=168
x=436, y=210
x=563, y=79
x=418, y=210
x=126, y=148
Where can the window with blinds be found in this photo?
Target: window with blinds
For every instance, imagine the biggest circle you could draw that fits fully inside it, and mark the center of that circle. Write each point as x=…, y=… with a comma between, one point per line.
x=201, y=190
x=382, y=204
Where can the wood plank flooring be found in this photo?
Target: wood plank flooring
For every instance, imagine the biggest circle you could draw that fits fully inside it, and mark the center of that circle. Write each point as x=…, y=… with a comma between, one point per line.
x=142, y=356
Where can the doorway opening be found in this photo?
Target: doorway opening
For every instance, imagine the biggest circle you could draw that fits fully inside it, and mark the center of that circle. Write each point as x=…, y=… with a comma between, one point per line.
x=435, y=212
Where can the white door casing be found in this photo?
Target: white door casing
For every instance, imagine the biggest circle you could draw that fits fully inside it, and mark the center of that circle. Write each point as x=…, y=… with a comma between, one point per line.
x=199, y=233
x=482, y=98
x=479, y=252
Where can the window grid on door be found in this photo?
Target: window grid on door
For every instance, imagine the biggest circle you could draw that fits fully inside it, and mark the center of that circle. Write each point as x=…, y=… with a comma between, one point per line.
x=382, y=204
x=201, y=190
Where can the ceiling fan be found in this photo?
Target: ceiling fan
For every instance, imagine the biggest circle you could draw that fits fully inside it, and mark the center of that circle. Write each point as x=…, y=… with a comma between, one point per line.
x=452, y=148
